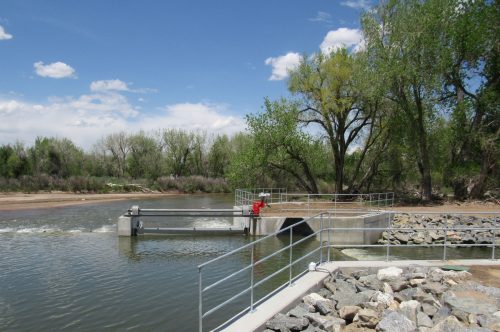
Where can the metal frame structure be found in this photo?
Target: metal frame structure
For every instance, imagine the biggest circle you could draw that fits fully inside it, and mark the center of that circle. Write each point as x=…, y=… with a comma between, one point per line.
x=244, y=197
x=326, y=226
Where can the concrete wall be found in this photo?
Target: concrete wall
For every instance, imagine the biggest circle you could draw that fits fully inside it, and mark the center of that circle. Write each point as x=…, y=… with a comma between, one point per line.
x=124, y=226
x=241, y=222
x=270, y=225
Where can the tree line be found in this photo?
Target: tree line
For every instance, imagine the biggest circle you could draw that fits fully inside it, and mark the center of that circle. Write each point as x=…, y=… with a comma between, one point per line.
x=415, y=107
x=164, y=159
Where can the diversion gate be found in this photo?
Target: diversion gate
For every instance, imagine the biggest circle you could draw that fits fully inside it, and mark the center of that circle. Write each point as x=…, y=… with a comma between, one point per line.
x=131, y=223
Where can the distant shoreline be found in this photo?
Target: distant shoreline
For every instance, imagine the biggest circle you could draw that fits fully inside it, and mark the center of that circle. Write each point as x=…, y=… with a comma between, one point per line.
x=21, y=201
x=43, y=200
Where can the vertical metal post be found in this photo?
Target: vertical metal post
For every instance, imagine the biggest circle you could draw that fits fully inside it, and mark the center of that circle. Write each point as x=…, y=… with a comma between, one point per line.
x=321, y=240
x=329, y=236
x=200, y=299
x=392, y=203
x=308, y=205
x=494, y=243
x=388, y=242
x=290, y=259
x=335, y=195
x=445, y=236
x=251, y=277
x=385, y=201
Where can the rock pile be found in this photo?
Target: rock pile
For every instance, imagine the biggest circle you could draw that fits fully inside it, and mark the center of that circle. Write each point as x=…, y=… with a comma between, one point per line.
x=395, y=300
x=462, y=230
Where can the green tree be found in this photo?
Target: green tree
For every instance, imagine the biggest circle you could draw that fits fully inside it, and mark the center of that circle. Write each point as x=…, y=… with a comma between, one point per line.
x=470, y=54
x=178, y=147
x=6, y=151
x=331, y=97
x=145, y=158
x=219, y=156
x=118, y=147
x=403, y=43
x=280, y=144
x=18, y=162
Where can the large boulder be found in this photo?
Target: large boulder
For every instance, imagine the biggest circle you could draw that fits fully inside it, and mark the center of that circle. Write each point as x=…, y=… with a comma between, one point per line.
x=396, y=322
x=491, y=322
x=325, y=307
x=371, y=281
x=435, y=288
x=389, y=274
x=345, y=299
x=470, y=302
x=410, y=309
x=348, y=312
x=300, y=310
x=451, y=324
x=312, y=298
x=423, y=320
x=282, y=322
x=327, y=323
x=438, y=275
x=367, y=318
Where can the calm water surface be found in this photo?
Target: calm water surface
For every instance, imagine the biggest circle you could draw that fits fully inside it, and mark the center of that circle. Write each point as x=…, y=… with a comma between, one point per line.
x=65, y=268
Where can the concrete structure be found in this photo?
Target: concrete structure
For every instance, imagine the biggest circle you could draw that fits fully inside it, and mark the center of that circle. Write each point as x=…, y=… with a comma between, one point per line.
x=289, y=296
x=129, y=224
x=373, y=220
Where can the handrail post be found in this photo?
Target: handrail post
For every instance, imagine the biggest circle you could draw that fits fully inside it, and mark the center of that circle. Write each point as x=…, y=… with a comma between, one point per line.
x=445, y=236
x=494, y=243
x=329, y=236
x=321, y=240
x=200, y=299
x=335, y=195
x=308, y=205
x=290, y=260
x=388, y=242
x=251, y=277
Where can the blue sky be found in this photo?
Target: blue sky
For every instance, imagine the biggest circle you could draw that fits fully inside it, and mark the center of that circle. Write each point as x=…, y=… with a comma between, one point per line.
x=84, y=69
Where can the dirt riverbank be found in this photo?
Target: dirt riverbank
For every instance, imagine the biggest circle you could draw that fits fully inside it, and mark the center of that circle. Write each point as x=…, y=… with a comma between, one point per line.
x=20, y=201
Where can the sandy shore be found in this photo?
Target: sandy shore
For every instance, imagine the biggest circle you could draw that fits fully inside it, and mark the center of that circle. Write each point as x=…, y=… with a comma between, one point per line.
x=19, y=201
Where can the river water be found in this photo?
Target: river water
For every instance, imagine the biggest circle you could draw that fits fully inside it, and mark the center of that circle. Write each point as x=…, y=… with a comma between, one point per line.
x=65, y=268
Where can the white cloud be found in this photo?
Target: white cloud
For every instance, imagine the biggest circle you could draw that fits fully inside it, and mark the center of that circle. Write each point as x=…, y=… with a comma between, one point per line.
x=281, y=65
x=342, y=37
x=89, y=117
x=54, y=70
x=4, y=35
x=195, y=116
x=322, y=17
x=357, y=4
x=109, y=85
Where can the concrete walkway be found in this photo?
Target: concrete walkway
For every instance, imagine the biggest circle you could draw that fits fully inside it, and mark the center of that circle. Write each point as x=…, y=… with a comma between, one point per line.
x=288, y=297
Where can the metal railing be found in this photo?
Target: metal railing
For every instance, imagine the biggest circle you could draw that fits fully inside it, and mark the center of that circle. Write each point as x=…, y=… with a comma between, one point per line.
x=370, y=200
x=243, y=197
x=326, y=222
x=251, y=267
x=310, y=202
x=315, y=203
